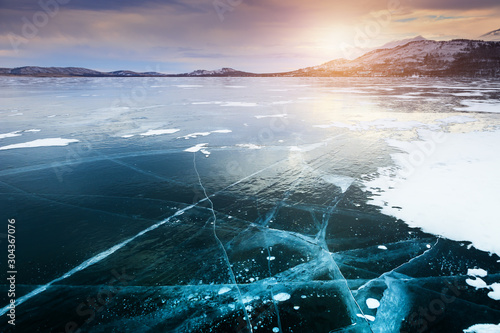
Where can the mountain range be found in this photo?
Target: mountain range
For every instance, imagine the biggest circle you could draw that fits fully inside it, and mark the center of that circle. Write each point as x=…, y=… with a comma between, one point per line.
x=415, y=56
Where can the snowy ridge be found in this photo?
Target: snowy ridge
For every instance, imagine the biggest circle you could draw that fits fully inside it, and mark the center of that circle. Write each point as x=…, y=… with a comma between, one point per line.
x=491, y=36
x=455, y=57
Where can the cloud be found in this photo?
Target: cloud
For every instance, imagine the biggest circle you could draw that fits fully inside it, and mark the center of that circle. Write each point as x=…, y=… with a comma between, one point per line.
x=253, y=35
x=455, y=4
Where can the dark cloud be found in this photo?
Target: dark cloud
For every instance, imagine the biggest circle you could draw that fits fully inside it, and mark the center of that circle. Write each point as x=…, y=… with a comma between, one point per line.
x=455, y=4
x=119, y=5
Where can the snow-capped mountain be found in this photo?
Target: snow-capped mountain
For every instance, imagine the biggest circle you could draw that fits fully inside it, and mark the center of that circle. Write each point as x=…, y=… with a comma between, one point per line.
x=422, y=57
x=491, y=36
x=401, y=42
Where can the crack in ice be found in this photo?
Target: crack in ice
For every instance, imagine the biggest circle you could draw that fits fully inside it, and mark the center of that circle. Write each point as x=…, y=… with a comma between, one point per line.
x=97, y=258
x=226, y=257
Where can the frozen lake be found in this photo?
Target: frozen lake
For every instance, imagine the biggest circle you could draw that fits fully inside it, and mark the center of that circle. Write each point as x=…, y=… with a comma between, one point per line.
x=251, y=204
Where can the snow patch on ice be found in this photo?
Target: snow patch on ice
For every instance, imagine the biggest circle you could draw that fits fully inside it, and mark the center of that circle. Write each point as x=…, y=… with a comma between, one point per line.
x=480, y=106
x=367, y=317
x=483, y=328
x=10, y=135
x=281, y=297
x=224, y=290
x=248, y=145
x=477, y=272
x=382, y=247
x=197, y=148
x=495, y=291
x=477, y=283
x=283, y=115
x=160, y=131
x=372, y=303
x=197, y=134
x=457, y=172
x=40, y=143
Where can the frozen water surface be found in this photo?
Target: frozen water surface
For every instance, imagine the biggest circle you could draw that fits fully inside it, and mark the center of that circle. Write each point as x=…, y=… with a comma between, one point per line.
x=286, y=205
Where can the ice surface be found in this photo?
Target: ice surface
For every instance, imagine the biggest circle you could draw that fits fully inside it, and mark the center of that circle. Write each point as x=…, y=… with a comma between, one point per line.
x=457, y=120
x=344, y=182
x=286, y=238
x=377, y=125
x=244, y=104
x=41, y=143
x=283, y=115
x=188, y=86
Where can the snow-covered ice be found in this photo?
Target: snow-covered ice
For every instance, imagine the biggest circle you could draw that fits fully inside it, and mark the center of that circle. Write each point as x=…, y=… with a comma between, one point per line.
x=453, y=175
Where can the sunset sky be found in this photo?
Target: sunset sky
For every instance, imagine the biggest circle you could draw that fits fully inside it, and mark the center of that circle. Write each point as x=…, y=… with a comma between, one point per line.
x=175, y=36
